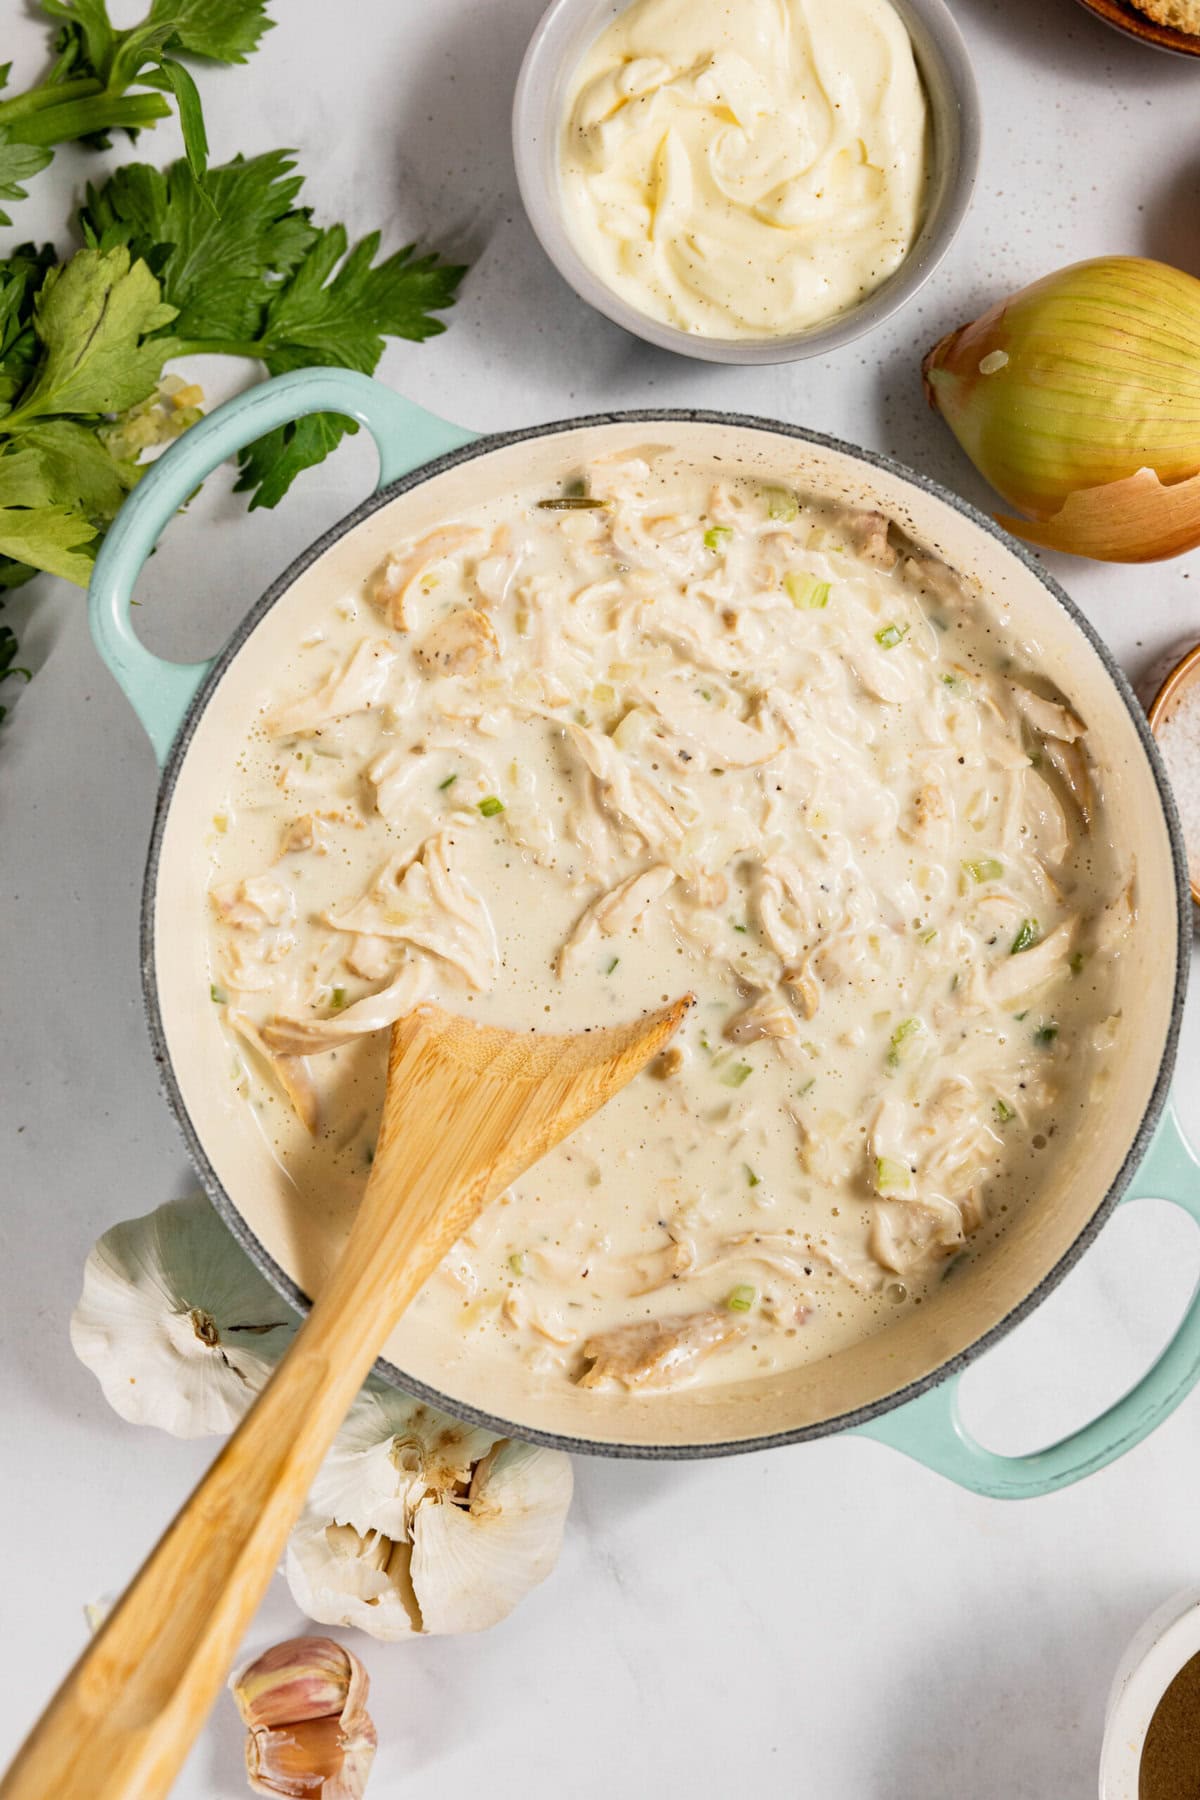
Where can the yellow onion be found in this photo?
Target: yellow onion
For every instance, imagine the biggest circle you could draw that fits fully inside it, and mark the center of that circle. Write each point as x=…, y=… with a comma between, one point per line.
x=1079, y=399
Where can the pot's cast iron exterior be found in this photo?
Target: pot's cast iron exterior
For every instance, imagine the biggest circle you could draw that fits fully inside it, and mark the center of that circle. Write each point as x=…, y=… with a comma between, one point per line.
x=923, y=1420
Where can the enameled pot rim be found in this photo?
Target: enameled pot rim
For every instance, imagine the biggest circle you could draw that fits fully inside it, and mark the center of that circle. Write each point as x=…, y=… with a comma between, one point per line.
x=481, y=447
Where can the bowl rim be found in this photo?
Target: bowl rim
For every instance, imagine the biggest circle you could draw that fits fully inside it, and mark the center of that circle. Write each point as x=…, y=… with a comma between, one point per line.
x=1159, y=1650
x=542, y=65
x=388, y=1372
x=1182, y=676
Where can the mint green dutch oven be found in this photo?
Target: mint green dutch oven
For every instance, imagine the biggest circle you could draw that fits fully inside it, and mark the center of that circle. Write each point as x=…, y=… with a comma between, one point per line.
x=899, y=1386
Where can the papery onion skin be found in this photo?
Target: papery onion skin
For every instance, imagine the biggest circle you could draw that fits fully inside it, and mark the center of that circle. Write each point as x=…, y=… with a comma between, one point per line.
x=1092, y=405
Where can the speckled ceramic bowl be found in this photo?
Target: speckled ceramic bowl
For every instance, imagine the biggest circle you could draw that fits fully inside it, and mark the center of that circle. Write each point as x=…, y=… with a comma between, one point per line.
x=555, y=51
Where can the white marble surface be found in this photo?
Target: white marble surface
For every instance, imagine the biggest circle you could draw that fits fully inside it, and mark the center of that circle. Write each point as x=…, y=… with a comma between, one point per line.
x=828, y=1620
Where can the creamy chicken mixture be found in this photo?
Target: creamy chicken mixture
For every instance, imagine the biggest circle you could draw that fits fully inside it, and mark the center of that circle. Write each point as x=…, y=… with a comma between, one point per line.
x=564, y=759
x=746, y=170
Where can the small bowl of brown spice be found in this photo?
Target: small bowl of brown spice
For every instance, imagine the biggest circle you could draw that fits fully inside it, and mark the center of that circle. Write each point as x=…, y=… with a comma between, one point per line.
x=1152, y=1727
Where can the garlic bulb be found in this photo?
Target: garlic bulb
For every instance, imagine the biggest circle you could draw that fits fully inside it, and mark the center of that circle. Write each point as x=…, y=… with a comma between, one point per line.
x=1079, y=399
x=309, y=1734
x=416, y=1523
x=176, y=1323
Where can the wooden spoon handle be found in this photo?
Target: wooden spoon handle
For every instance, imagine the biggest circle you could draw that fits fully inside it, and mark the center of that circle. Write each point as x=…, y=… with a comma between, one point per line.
x=124, y=1719
x=467, y=1109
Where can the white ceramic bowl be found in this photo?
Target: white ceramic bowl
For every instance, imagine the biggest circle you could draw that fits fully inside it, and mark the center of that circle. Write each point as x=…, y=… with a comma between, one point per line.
x=555, y=50
x=1166, y=1642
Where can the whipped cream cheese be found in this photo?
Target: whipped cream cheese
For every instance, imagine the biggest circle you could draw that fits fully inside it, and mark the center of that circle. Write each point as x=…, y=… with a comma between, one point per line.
x=748, y=170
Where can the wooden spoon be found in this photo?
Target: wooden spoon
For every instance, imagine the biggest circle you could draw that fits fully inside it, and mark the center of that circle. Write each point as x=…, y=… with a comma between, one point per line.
x=467, y=1109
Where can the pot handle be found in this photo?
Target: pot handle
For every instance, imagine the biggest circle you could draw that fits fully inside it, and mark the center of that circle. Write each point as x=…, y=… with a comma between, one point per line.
x=406, y=436
x=930, y=1428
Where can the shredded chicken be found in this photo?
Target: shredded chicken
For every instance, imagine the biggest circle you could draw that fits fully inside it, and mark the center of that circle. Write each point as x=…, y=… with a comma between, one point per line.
x=657, y=1353
x=425, y=901
x=374, y=1012
x=291, y=1073
x=253, y=902
x=458, y=643
x=1023, y=974
x=357, y=686
x=867, y=534
x=1046, y=716
x=680, y=730
x=766, y=1017
x=622, y=909
x=404, y=568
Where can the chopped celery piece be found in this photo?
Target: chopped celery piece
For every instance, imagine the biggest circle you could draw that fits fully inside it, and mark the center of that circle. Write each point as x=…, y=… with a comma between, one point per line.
x=955, y=683
x=781, y=503
x=1027, y=936
x=752, y=1180
x=717, y=536
x=490, y=806
x=337, y=999
x=741, y=1298
x=805, y=591
x=736, y=1073
x=1004, y=1112
x=516, y=1262
x=984, y=868
x=1077, y=962
x=891, y=635
x=906, y=1029
x=891, y=1176
x=217, y=995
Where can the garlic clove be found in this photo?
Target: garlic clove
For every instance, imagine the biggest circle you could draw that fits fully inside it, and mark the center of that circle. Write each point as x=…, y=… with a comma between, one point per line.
x=419, y=1524
x=312, y=1761
x=304, y=1678
x=339, y=1576
x=471, y=1566
x=176, y=1323
x=309, y=1736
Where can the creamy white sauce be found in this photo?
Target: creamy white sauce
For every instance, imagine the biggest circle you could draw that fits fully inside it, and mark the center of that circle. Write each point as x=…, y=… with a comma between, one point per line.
x=556, y=766
x=746, y=170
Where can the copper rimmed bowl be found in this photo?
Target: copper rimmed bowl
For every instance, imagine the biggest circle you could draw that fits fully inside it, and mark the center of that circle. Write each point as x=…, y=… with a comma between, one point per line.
x=1132, y=23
